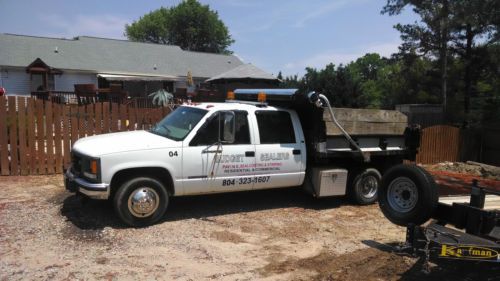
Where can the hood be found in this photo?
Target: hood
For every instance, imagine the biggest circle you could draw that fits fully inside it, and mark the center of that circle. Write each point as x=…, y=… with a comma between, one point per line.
x=122, y=142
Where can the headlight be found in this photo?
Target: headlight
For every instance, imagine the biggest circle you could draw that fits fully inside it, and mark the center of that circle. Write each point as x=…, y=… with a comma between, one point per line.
x=92, y=169
x=86, y=166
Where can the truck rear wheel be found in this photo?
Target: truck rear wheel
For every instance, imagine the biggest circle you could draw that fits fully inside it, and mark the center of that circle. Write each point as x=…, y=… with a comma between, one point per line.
x=364, y=186
x=141, y=201
x=408, y=194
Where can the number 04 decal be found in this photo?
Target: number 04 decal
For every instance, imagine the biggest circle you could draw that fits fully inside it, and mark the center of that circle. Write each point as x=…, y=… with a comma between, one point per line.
x=172, y=153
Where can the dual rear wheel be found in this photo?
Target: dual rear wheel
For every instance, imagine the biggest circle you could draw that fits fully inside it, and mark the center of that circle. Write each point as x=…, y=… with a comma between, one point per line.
x=406, y=193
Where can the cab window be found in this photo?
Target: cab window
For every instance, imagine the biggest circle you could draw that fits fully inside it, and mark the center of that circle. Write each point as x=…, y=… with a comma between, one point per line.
x=275, y=127
x=208, y=134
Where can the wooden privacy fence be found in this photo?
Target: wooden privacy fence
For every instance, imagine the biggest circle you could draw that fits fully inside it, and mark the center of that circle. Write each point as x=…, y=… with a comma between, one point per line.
x=36, y=135
x=438, y=144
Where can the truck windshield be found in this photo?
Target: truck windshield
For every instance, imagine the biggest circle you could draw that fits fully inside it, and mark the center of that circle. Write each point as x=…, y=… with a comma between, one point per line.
x=179, y=123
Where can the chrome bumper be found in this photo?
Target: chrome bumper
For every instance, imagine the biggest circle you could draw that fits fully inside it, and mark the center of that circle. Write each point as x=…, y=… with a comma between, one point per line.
x=92, y=190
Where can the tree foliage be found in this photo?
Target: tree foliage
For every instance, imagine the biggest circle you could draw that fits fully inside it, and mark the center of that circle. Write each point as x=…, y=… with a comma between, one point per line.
x=190, y=25
x=454, y=48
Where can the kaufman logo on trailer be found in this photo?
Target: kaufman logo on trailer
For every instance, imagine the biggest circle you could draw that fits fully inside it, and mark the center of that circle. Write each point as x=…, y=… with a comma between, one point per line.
x=469, y=252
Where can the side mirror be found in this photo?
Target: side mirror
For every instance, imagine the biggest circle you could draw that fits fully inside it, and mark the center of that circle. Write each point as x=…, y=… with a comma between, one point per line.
x=228, y=128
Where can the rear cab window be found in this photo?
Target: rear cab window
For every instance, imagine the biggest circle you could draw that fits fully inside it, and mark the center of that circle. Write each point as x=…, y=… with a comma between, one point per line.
x=275, y=127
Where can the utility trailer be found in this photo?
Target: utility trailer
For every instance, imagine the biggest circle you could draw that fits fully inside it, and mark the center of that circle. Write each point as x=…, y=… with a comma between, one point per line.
x=408, y=196
x=460, y=231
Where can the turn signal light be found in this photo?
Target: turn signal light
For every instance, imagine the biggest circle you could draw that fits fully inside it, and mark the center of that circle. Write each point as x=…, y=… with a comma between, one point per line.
x=261, y=97
x=93, y=167
x=230, y=95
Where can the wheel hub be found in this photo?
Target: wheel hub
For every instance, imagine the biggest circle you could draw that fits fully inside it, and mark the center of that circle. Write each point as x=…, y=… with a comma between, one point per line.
x=143, y=202
x=402, y=194
x=369, y=185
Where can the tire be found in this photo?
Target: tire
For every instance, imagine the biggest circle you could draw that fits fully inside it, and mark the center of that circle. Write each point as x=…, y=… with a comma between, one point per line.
x=408, y=194
x=141, y=201
x=365, y=185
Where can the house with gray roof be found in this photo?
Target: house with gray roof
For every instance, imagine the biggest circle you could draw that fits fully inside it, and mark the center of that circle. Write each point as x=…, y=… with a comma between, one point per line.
x=30, y=63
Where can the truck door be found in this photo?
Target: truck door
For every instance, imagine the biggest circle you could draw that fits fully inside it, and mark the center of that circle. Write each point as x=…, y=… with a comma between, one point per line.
x=280, y=150
x=210, y=166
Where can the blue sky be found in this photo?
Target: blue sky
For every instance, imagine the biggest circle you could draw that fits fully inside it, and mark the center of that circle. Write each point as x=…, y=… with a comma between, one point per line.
x=274, y=35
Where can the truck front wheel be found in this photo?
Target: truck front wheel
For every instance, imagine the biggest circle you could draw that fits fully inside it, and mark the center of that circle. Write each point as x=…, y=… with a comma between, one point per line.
x=364, y=186
x=141, y=201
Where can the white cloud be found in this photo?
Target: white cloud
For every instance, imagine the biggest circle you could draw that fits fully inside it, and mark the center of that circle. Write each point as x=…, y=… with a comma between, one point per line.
x=319, y=11
x=108, y=26
x=337, y=57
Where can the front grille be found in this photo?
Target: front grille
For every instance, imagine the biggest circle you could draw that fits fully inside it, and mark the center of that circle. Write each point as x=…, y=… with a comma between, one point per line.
x=76, y=160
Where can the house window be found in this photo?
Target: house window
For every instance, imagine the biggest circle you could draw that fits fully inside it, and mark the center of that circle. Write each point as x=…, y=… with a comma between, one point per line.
x=42, y=81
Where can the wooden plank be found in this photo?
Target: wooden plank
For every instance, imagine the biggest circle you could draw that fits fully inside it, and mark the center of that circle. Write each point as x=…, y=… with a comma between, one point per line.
x=40, y=138
x=66, y=136
x=114, y=117
x=31, y=137
x=23, y=148
x=4, y=149
x=98, y=118
x=366, y=115
x=366, y=122
x=123, y=117
x=13, y=138
x=49, y=137
x=81, y=122
x=90, y=117
x=58, y=138
x=105, y=117
x=74, y=124
x=365, y=128
x=132, y=113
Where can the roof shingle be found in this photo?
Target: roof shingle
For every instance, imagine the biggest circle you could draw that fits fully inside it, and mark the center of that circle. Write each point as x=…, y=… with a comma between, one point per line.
x=100, y=55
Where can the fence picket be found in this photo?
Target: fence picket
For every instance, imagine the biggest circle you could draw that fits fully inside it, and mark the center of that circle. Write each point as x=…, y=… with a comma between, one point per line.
x=23, y=149
x=98, y=118
x=4, y=139
x=90, y=117
x=66, y=136
x=12, y=129
x=123, y=117
x=31, y=137
x=40, y=138
x=58, y=138
x=114, y=117
x=49, y=137
x=105, y=117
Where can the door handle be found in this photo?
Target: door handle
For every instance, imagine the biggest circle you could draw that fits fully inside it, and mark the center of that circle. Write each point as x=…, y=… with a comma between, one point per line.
x=249, y=153
x=296, y=152
x=211, y=151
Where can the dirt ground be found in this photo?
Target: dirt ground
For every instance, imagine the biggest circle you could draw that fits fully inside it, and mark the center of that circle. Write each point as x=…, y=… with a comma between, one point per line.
x=47, y=233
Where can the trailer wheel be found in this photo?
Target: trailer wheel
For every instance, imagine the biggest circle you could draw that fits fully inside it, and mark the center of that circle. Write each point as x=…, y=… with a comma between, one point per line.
x=141, y=201
x=408, y=194
x=365, y=185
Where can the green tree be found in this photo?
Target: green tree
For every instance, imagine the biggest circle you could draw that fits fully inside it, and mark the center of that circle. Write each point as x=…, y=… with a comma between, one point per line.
x=429, y=37
x=190, y=25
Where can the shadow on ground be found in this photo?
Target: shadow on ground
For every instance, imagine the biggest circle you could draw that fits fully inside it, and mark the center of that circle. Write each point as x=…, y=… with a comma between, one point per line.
x=96, y=214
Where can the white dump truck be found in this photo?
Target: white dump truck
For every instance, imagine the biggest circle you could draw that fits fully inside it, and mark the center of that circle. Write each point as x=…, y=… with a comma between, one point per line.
x=257, y=139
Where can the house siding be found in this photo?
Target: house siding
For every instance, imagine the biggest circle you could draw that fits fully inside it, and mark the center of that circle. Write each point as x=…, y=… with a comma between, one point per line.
x=67, y=80
x=15, y=82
